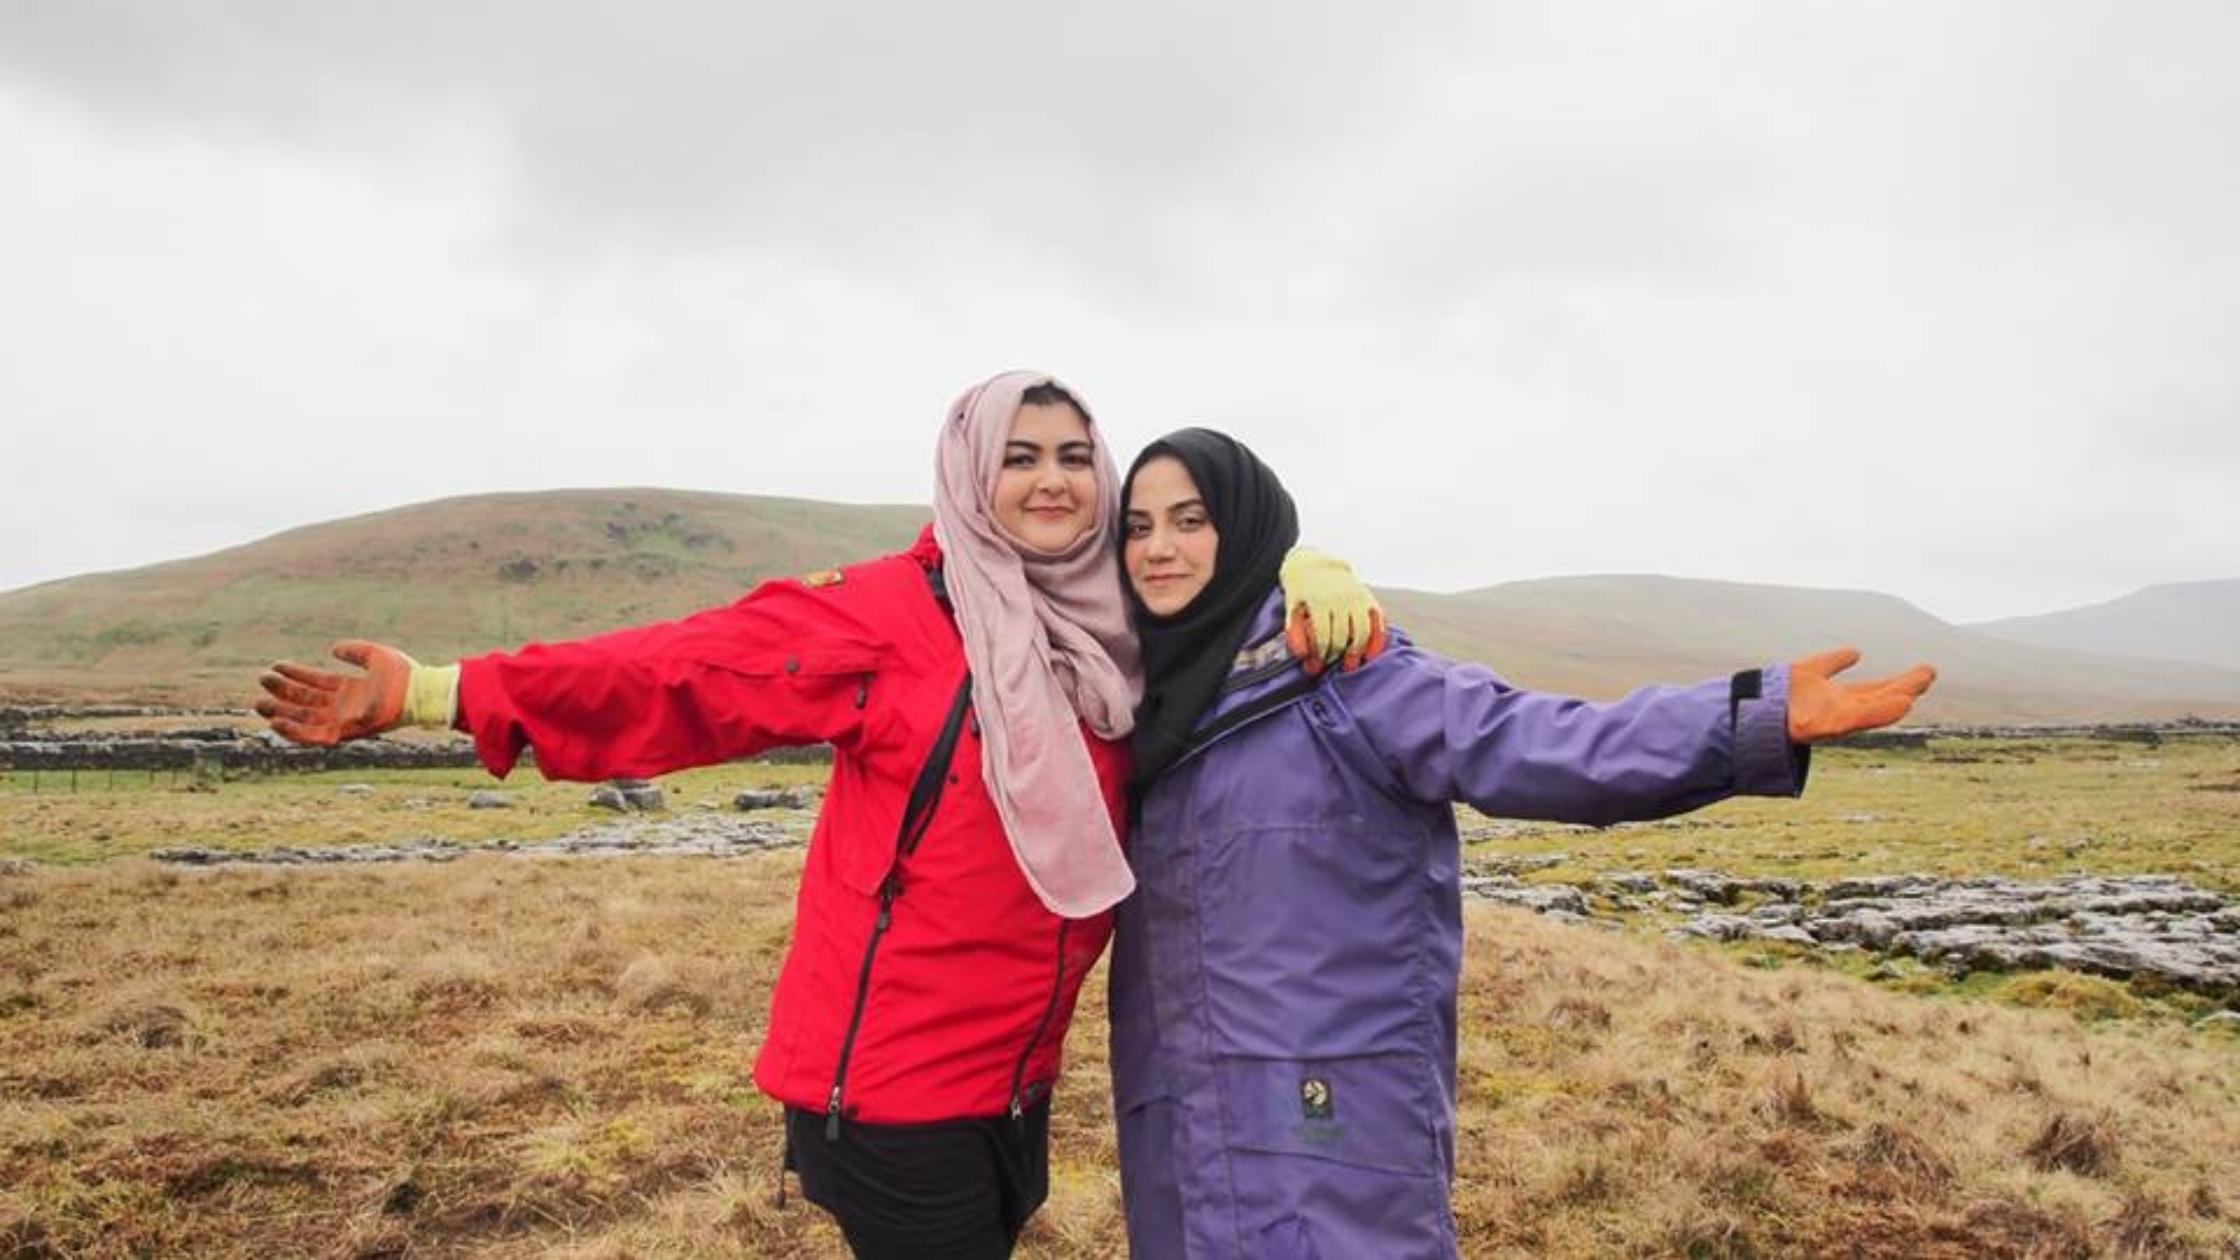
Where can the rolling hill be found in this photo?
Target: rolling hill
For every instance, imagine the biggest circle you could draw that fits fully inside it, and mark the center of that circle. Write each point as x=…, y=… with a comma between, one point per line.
x=457, y=576
x=1600, y=636
x=2185, y=621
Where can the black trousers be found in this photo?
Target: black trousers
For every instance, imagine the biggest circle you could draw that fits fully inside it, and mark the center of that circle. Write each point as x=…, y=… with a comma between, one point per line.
x=955, y=1190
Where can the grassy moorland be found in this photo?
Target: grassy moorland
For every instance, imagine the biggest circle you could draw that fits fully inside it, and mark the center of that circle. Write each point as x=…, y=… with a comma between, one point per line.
x=2029, y=808
x=516, y=1057
x=2018, y=807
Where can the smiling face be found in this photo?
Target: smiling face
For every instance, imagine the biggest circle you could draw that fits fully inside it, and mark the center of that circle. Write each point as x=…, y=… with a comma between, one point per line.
x=1046, y=491
x=1171, y=540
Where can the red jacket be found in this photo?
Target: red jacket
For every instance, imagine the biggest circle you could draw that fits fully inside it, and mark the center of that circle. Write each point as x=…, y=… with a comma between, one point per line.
x=959, y=1004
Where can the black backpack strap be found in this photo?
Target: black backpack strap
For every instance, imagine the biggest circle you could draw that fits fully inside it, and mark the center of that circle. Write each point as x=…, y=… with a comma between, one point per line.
x=917, y=814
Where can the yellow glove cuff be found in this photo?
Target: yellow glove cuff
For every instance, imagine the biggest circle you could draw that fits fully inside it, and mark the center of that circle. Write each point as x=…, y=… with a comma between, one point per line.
x=1307, y=571
x=431, y=696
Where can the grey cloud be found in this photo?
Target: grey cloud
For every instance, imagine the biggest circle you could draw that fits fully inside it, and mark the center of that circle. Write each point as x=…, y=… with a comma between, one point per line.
x=1403, y=160
x=1094, y=137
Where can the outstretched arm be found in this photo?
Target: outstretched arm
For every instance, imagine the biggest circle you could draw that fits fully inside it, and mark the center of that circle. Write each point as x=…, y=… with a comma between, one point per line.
x=1454, y=732
x=779, y=667
x=1446, y=731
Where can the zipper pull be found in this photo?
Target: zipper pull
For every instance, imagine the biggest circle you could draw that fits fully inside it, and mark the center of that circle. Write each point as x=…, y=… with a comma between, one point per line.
x=863, y=691
x=1018, y=1111
x=832, y=1117
x=890, y=889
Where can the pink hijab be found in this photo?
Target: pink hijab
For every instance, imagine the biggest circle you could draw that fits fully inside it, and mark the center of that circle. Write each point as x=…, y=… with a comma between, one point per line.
x=1050, y=649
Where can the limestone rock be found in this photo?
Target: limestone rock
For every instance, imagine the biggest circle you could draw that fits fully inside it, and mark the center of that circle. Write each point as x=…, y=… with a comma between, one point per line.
x=628, y=796
x=1715, y=927
x=1711, y=886
x=772, y=798
x=1549, y=899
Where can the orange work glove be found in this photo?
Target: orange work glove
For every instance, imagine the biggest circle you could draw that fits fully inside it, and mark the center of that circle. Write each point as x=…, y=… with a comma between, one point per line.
x=317, y=706
x=1299, y=634
x=1822, y=708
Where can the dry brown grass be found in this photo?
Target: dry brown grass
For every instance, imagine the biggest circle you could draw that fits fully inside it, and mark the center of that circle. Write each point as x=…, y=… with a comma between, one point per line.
x=2078, y=1144
x=509, y=1058
x=1725, y=1111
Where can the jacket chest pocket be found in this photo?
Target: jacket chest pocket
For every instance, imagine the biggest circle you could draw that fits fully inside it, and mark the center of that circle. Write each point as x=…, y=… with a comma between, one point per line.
x=811, y=695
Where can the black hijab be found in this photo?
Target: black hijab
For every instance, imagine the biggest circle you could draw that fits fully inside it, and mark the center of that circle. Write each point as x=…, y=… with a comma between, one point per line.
x=1186, y=655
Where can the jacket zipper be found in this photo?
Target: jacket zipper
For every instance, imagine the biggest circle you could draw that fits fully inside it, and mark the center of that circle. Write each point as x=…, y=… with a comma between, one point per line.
x=888, y=891
x=1246, y=714
x=1049, y=1012
x=1255, y=676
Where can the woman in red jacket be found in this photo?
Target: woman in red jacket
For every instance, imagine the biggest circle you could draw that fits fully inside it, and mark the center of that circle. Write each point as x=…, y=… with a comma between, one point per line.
x=977, y=690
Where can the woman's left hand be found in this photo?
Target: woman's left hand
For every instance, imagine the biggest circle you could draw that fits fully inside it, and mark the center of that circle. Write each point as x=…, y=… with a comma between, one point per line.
x=1822, y=708
x=1332, y=617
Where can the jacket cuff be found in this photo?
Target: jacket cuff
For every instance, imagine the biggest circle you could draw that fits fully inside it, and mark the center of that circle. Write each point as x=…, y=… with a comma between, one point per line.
x=481, y=711
x=1765, y=762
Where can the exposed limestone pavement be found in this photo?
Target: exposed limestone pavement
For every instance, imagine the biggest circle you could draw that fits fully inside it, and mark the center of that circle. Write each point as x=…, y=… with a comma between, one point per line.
x=2141, y=925
x=221, y=749
x=2155, y=926
x=2144, y=925
x=702, y=834
x=229, y=748
x=1557, y=901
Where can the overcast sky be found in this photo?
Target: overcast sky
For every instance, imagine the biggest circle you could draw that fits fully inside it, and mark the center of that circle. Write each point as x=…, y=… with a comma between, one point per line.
x=1934, y=299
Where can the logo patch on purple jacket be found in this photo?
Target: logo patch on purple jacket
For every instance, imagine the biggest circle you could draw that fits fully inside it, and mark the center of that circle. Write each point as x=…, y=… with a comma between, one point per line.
x=1316, y=1100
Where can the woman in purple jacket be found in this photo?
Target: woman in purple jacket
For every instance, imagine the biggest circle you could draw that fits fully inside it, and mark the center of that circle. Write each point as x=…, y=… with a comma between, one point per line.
x=1283, y=981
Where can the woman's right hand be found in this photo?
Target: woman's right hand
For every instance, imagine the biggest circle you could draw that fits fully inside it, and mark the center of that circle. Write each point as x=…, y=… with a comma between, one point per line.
x=318, y=706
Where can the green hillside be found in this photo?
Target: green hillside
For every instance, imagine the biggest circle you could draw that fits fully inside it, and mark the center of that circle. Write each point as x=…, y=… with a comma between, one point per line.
x=441, y=579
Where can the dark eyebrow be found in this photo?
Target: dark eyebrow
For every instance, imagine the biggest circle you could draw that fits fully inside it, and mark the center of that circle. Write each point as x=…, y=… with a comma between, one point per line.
x=1070, y=444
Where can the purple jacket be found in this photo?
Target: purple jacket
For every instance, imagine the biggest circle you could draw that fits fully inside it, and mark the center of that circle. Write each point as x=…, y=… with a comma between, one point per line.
x=1283, y=979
